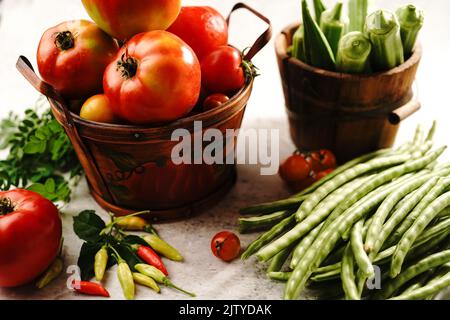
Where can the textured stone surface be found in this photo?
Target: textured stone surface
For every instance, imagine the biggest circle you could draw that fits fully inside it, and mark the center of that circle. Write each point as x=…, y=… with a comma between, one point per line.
x=21, y=25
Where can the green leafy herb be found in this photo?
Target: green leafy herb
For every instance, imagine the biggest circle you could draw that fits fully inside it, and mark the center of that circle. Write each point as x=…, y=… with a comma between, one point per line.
x=40, y=155
x=88, y=226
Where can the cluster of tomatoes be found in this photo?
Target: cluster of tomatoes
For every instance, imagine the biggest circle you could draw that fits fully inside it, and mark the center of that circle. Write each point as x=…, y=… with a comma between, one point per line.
x=302, y=169
x=142, y=62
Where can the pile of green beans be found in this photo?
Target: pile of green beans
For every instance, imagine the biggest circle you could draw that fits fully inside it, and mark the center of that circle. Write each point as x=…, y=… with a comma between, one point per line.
x=378, y=227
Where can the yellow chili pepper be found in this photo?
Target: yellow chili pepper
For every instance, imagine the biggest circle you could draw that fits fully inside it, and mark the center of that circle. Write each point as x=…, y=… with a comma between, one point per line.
x=52, y=273
x=134, y=223
x=126, y=280
x=100, y=263
x=146, y=281
x=163, y=247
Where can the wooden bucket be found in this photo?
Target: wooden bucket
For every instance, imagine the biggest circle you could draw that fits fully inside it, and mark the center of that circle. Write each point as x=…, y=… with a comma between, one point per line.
x=129, y=168
x=348, y=114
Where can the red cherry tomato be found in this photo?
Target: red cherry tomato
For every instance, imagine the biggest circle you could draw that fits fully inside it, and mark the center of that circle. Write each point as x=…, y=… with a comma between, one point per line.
x=323, y=174
x=98, y=109
x=222, y=71
x=202, y=28
x=294, y=169
x=30, y=235
x=214, y=101
x=73, y=56
x=322, y=159
x=156, y=77
x=226, y=246
x=123, y=19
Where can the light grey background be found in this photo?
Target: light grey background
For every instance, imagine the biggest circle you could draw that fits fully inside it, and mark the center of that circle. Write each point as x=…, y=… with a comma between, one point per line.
x=21, y=26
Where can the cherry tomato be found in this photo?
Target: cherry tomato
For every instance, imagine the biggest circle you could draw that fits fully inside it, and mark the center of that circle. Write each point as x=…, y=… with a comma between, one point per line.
x=323, y=174
x=73, y=56
x=214, y=101
x=98, y=108
x=123, y=19
x=155, y=78
x=203, y=28
x=222, y=71
x=226, y=246
x=322, y=159
x=30, y=235
x=295, y=168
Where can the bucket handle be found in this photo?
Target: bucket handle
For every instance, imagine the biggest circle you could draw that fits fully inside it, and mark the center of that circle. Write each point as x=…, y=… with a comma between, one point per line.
x=26, y=69
x=262, y=39
x=400, y=114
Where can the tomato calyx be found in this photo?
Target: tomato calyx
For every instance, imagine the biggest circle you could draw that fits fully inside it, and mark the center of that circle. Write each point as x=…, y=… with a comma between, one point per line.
x=6, y=206
x=250, y=70
x=127, y=66
x=64, y=40
x=219, y=245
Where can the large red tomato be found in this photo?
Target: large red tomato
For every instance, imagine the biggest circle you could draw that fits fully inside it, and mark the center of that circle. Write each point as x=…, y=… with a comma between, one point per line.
x=73, y=56
x=30, y=234
x=156, y=77
x=124, y=18
x=203, y=28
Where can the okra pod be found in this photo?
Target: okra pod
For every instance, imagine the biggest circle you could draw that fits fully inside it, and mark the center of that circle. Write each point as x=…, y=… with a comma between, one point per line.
x=383, y=30
x=411, y=21
x=353, y=54
x=298, y=44
x=332, y=26
x=357, y=11
x=319, y=8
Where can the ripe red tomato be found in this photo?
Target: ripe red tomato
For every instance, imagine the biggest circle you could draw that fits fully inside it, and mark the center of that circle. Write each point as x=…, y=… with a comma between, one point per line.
x=214, y=101
x=323, y=174
x=123, y=19
x=222, y=71
x=202, y=28
x=295, y=168
x=226, y=246
x=156, y=77
x=73, y=56
x=322, y=160
x=30, y=234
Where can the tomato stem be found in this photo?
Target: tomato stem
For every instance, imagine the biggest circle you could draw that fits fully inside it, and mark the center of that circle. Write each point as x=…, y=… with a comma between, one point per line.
x=6, y=206
x=127, y=66
x=65, y=40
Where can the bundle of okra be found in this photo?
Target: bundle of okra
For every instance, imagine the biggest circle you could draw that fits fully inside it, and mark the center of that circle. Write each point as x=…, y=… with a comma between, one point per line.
x=383, y=217
x=367, y=43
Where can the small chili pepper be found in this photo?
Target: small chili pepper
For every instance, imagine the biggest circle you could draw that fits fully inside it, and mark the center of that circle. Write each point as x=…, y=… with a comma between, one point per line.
x=158, y=276
x=101, y=261
x=134, y=223
x=90, y=288
x=163, y=247
x=150, y=256
x=146, y=281
x=51, y=274
x=125, y=276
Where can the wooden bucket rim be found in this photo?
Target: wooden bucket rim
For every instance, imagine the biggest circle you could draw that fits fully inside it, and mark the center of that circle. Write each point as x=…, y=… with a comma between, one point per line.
x=224, y=111
x=281, y=46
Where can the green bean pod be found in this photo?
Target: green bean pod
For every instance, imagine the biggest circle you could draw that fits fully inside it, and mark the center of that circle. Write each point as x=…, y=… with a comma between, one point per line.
x=259, y=223
x=431, y=288
x=277, y=262
x=304, y=244
x=411, y=21
x=353, y=54
x=279, y=276
x=357, y=246
x=318, y=52
x=276, y=206
x=332, y=26
x=383, y=31
x=416, y=229
x=348, y=275
x=357, y=12
x=432, y=261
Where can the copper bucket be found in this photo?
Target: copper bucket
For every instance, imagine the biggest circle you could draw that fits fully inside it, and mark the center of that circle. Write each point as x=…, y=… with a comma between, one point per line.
x=129, y=168
x=348, y=114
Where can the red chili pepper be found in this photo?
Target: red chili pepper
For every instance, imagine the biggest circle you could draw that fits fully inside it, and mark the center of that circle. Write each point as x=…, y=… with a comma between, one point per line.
x=150, y=256
x=90, y=288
